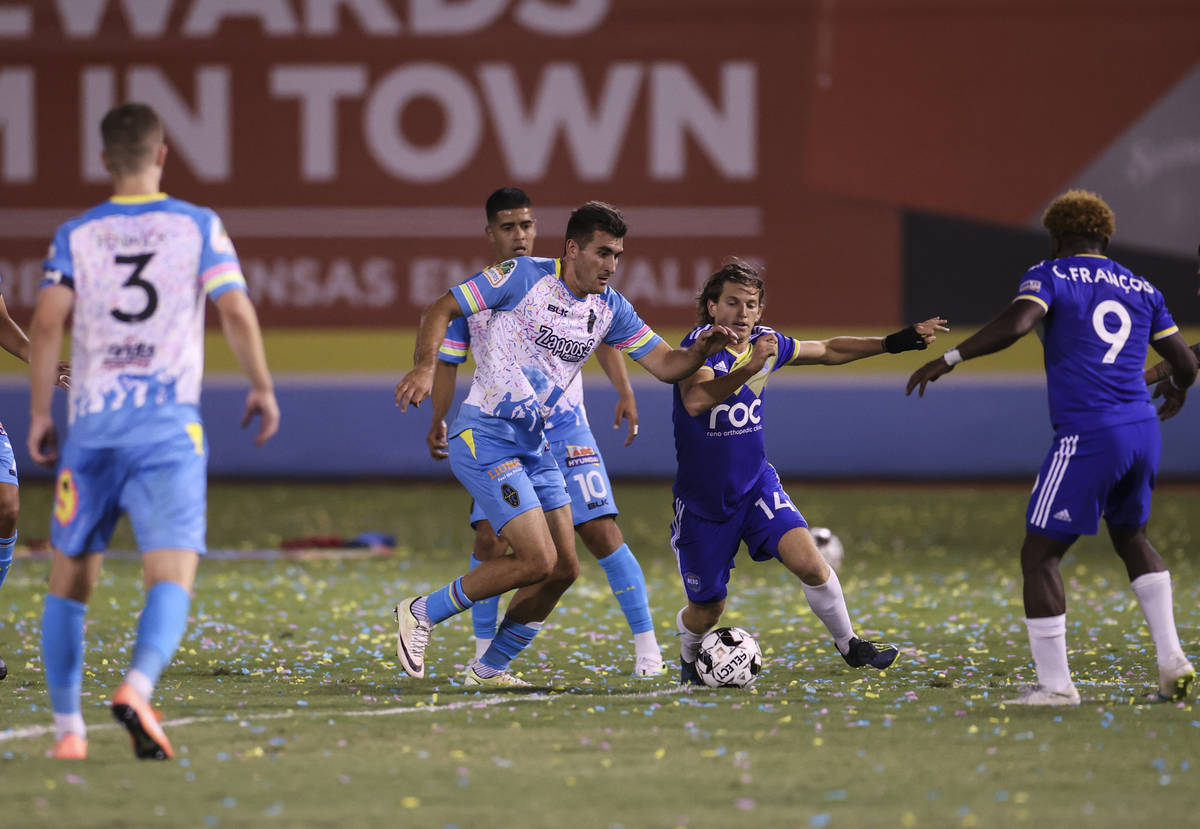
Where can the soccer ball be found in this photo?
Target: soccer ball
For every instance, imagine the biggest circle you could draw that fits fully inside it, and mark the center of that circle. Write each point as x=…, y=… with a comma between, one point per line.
x=829, y=546
x=728, y=658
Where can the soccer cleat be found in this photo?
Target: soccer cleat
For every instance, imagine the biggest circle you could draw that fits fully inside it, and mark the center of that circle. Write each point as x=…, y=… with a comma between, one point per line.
x=141, y=721
x=70, y=747
x=504, y=679
x=3, y=668
x=1037, y=695
x=687, y=673
x=861, y=652
x=648, y=665
x=412, y=637
x=1175, y=680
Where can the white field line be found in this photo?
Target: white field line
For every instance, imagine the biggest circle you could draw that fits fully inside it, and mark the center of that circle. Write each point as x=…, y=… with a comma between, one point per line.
x=34, y=731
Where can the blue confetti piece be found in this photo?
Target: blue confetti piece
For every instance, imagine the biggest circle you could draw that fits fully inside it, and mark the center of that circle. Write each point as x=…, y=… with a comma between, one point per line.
x=819, y=820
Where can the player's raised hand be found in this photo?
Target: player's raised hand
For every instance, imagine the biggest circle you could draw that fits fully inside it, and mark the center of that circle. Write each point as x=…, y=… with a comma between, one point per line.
x=765, y=347
x=437, y=441
x=414, y=387
x=927, y=373
x=262, y=403
x=929, y=328
x=42, y=441
x=714, y=338
x=1173, y=399
x=627, y=411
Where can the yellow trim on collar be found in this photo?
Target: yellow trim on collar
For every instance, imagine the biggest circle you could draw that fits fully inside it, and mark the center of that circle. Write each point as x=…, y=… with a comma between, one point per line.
x=141, y=198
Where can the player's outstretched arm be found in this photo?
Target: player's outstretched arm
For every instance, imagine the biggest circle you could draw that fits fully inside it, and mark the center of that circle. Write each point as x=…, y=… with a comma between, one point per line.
x=1182, y=363
x=444, y=375
x=418, y=383
x=837, y=351
x=1013, y=323
x=239, y=321
x=674, y=364
x=613, y=363
x=703, y=390
x=14, y=341
x=54, y=304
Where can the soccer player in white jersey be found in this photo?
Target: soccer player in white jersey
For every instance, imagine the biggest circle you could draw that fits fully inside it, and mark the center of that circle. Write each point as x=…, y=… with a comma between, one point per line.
x=726, y=492
x=14, y=341
x=548, y=315
x=134, y=272
x=512, y=230
x=1096, y=320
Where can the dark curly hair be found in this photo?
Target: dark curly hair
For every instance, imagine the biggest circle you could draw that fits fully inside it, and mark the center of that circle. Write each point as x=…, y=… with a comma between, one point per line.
x=735, y=270
x=1079, y=213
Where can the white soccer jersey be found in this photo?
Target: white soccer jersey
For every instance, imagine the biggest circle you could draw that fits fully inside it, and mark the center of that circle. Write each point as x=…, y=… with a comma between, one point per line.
x=140, y=268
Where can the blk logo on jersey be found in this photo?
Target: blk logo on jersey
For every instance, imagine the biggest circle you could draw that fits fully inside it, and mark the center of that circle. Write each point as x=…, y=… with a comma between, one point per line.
x=510, y=495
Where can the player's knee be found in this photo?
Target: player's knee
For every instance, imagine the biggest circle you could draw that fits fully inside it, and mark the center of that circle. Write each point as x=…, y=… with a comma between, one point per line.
x=489, y=546
x=601, y=536
x=10, y=508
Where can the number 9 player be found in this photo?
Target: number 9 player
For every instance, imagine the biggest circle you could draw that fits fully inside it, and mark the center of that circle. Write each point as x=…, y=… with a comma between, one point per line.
x=1097, y=320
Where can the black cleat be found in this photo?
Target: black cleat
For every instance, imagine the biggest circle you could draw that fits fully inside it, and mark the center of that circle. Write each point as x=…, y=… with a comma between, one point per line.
x=862, y=652
x=687, y=673
x=3, y=669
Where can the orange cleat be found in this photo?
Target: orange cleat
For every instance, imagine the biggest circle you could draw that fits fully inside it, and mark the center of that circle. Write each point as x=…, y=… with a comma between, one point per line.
x=70, y=747
x=141, y=721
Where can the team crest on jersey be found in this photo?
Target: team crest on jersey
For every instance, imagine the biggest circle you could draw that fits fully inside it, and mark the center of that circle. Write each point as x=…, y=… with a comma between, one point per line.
x=221, y=243
x=511, y=496
x=1033, y=285
x=581, y=455
x=497, y=275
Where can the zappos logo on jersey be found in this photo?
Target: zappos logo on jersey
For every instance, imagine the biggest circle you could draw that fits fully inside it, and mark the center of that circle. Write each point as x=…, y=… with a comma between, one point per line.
x=573, y=351
x=738, y=415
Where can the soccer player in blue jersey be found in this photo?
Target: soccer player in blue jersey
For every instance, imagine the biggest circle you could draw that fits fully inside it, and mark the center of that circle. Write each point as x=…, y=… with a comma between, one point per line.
x=725, y=490
x=512, y=230
x=133, y=272
x=548, y=316
x=1096, y=319
x=14, y=341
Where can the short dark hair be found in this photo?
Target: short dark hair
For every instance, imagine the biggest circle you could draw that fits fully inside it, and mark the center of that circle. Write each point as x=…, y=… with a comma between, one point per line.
x=506, y=198
x=735, y=270
x=595, y=215
x=131, y=133
x=1079, y=213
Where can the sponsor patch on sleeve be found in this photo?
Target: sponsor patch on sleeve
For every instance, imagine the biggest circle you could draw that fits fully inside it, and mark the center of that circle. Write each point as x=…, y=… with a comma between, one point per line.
x=1031, y=285
x=498, y=274
x=220, y=241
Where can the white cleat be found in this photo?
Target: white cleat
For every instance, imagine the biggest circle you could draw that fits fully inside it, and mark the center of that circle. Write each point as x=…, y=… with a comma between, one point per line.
x=1037, y=695
x=504, y=679
x=412, y=637
x=1175, y=680
x=648, y=665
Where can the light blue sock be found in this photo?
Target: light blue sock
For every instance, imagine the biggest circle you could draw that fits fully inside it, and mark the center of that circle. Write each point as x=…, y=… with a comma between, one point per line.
x=629, y=586
x=447, y=601
x=62, y=652
x=163, y=622
x=511, y=639
x=6, y=555
x=484, y=612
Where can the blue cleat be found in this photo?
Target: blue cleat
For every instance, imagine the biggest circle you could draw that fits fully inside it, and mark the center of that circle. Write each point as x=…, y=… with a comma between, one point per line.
x=687, y=673
x=862, y=652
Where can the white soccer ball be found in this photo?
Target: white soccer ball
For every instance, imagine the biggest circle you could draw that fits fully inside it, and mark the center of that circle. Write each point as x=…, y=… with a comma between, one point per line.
x=728, y=658
x=829, y=546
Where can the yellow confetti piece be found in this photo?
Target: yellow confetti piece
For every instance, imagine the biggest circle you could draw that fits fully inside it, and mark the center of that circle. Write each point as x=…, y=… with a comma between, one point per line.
x=1021, y=797
x=785, y=719
x=818, y=742
x=571, y=781
x=410, y=802
x=660, y=753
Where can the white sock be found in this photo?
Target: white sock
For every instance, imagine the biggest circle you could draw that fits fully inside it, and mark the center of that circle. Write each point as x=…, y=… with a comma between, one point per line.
x=829, y=603
x=689, y=643
x=1048, y=641
x=1153, y=591
x=140, y=683
x=645, y=644
x=481, y=646
x=65, y=724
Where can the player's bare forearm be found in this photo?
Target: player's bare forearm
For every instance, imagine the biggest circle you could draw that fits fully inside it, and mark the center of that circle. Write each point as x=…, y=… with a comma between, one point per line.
x=674, y=364
x=1162, y=370
x=613, y=363
x=1013, y=323
x=1182, y=360
x=434, y=322
x=444, y=377
x=239, y=322
x=700, y=395
x=49, y=321
x=12, y=338
x=841, y=350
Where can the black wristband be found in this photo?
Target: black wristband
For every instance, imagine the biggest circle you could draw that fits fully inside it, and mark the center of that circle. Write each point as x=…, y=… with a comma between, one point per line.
x=906, y=339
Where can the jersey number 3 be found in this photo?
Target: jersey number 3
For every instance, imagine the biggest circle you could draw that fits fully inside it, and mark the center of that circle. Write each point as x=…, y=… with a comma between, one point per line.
x=135, y=280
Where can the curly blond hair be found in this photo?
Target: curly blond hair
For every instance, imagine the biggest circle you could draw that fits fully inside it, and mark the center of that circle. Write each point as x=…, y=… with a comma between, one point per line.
x=1079, y=213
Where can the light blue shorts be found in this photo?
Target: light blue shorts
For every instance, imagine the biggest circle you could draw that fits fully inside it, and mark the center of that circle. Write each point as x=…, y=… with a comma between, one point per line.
x=162, y=486
x=8, y=463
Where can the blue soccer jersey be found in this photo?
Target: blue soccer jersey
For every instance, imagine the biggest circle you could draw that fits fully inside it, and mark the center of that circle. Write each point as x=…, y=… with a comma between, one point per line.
x=538, y=337
x=140, y=267
x=1100, y=319
x=721, y=452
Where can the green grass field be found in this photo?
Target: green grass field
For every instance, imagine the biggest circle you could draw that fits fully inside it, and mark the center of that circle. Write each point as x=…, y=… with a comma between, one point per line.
x=286, y=706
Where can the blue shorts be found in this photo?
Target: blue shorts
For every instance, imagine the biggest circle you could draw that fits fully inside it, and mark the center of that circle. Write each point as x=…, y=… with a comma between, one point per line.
x=705, y=549
x=163, y=486
x=504, y=477
x=8, y=463
x=1109, y=471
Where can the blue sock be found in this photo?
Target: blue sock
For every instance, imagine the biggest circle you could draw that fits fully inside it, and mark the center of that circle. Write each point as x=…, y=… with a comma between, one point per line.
x=484, y=612
x=6, y=554
x=629, y=586
x=163, y=622
x=447, y=601
x=62, y=652
x=511, y=639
